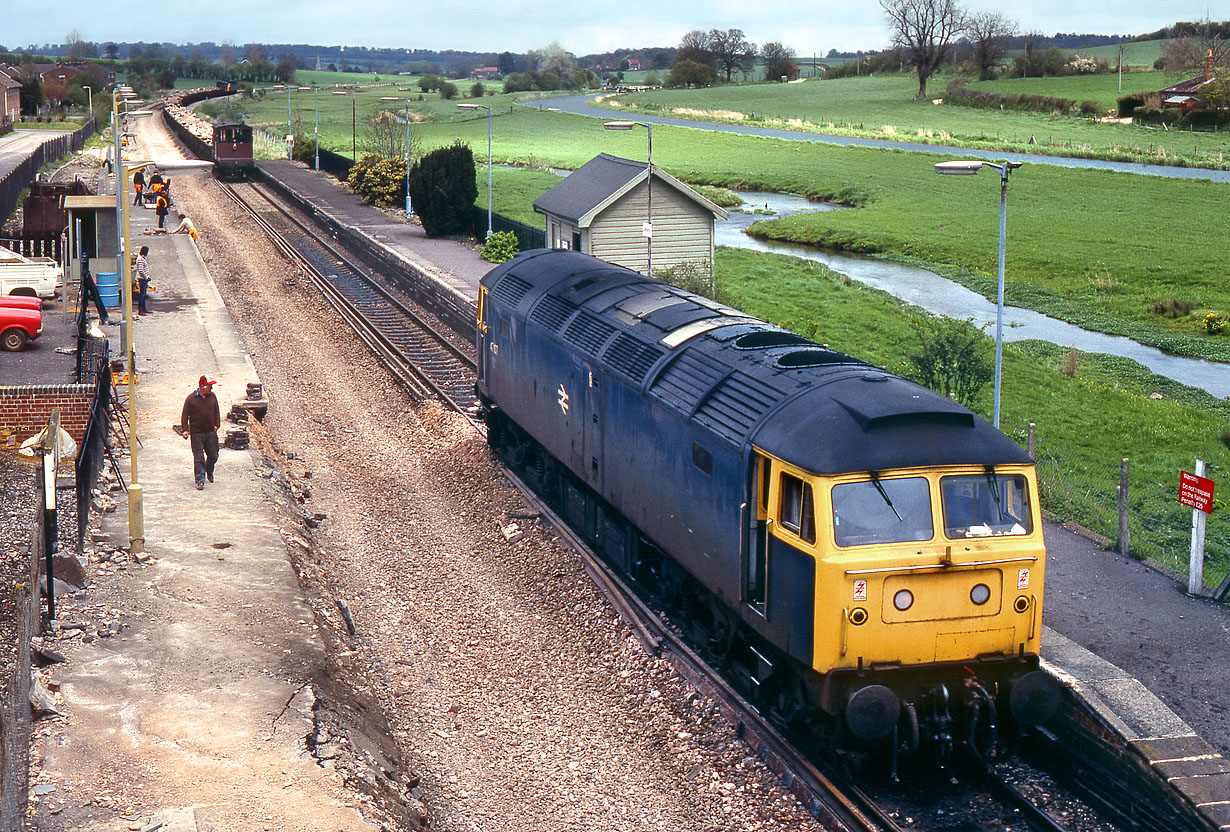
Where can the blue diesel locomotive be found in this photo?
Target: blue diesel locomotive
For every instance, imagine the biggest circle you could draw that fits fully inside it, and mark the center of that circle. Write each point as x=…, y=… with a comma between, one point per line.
x=865, y=554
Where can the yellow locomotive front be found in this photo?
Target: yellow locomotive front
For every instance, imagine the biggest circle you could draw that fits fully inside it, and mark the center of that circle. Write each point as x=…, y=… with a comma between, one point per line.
x=929, y=600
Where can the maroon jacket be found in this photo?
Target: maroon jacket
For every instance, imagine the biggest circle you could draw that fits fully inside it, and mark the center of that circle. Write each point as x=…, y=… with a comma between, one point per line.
x=201, y=413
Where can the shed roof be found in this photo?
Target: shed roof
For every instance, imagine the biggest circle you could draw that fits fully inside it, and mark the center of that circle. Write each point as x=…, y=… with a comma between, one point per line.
x=589, y=189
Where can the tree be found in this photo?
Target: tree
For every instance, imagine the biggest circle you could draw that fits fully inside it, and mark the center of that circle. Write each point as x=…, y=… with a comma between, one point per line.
x=731, y=50
x=691, y=74
x=443, y=189
x=553, y=58
x=924, y=30
x=779, y=62
x=990, y=33
x=478, y=90
x=76, y=49
x=506, y=63
x=695, y=47
x=285, y=70
x=384, y=136
x=1189, y=54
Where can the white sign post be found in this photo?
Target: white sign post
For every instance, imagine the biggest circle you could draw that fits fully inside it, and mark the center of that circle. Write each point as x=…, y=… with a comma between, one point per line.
x=1195, y=573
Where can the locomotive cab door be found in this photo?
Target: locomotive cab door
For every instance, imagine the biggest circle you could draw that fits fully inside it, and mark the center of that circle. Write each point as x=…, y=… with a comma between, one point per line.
x=756, y=536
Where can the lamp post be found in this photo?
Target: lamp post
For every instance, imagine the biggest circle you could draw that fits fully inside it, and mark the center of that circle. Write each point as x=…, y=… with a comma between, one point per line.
x=91, y=104
x=407, y=100
x=969, y=168
x=354, y=152
x=316, y=97
x=648, y=226
x=488, y=109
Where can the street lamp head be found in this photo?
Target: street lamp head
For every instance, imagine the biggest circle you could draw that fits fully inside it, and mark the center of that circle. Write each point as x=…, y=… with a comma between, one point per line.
x=618, y=125
x=467, y=106
x=962, y=168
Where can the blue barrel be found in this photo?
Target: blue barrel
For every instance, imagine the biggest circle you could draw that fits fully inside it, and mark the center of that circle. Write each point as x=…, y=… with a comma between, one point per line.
x=108, y=287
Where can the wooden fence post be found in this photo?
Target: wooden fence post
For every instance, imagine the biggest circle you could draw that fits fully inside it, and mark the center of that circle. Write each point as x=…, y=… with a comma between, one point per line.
x=1125, y=532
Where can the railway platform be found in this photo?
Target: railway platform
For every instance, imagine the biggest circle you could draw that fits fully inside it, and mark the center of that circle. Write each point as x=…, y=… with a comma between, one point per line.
x=187, y=693
x=1147, y=660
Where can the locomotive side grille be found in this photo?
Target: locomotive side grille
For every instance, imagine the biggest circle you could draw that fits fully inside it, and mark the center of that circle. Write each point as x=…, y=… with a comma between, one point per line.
x=630, y=356
x=511, y=289
x=736, y=404
x=589, y=332
x=551, y=313
x=686, y=381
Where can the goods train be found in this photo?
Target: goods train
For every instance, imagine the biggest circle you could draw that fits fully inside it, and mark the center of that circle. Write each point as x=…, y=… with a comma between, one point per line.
x=864, y=555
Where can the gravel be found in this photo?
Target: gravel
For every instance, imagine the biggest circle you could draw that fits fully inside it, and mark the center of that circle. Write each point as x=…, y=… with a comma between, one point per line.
x=518, y=697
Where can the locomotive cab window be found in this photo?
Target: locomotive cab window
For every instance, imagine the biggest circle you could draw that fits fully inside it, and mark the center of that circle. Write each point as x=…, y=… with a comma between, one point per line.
x=985, y=505
x=879, y=510
x=798, y=513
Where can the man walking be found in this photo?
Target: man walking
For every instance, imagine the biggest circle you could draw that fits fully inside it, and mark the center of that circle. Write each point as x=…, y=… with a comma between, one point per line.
x=199, y=423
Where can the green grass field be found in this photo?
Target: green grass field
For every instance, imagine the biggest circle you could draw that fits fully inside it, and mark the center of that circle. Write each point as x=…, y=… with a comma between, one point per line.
x=883, y=107
x=1135, y=53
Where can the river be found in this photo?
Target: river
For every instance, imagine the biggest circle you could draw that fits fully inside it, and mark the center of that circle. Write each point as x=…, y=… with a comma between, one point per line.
x=941, y=296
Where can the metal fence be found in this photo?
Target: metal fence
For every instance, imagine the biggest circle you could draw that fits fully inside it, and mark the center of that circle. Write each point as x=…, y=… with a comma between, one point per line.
x=15, y=182
x=528, y=237
x=93, y=367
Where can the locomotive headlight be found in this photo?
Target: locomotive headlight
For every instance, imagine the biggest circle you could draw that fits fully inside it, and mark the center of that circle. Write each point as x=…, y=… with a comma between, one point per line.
x=903, y=600
x=980, y=594
x=858, y=615
x=1021, y=604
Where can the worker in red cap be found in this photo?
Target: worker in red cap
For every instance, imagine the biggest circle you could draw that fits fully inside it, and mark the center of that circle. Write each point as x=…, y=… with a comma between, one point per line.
x=199, y=423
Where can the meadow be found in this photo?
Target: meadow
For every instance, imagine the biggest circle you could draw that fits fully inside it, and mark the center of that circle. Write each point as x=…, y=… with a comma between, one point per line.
x=883, y=107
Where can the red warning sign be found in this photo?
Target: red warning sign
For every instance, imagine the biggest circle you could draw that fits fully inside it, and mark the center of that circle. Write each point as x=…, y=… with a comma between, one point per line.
x=1196, y=492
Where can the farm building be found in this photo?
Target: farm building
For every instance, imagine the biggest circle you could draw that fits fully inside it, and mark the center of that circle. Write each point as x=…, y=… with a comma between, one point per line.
x=602, y=208
x=1187, y=95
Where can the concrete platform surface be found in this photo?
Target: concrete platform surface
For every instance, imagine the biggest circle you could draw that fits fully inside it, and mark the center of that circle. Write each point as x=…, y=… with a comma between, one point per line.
x=195, y=713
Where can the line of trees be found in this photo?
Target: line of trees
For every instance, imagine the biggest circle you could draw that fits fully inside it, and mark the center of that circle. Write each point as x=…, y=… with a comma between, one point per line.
x=702, y=57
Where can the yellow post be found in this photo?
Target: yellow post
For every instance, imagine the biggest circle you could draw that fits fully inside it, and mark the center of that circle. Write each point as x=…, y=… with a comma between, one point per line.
x=136, y=511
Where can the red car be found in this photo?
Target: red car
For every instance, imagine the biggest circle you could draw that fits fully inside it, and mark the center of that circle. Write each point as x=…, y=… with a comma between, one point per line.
x=18, y=325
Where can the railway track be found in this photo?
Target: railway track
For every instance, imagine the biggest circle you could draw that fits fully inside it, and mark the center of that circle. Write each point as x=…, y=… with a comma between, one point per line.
x=420, y=353
x=424, y=358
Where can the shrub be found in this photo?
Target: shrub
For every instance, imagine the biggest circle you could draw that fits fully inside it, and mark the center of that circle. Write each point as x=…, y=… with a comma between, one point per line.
x=1215, y=323
x=500, y=247
x=1173, y=308
x=448, y=90
x=1155, y=115
x=378, y=180
x=1129, y=103
x=691, y=276
x=304, y=149
x=478, y=90
x=1206, y=118
x=443, y=190
x=951, y=358
x=958, y=93
x=1089, y=107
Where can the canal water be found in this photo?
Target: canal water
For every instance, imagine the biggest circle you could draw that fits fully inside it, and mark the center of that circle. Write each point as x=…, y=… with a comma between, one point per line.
x=941, y=296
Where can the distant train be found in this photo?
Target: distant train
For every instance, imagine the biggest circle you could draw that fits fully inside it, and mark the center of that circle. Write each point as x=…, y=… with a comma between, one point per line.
x=864, y=554
x=232, y=149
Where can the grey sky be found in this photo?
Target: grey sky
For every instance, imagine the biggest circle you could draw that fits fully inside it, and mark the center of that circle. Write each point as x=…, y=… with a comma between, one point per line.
x=520, y=25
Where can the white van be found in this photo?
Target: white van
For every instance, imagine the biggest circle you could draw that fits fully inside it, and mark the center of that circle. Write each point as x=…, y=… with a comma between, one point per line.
x=34, y=276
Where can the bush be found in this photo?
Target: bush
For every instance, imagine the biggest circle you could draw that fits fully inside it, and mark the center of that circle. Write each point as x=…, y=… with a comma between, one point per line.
x=687, y=73
x=378, y=180
x=500, y=247
x=951, y=358
x=304, y=149
x=1089, y=107
x=1215, y=323
x=959, y=94
x=1206, y=118
x=1155, y=115
x=1173, y=308
x=443, y=189
x=448, y=90
x=691, y=276
x=478, y=90
x=1129, y=103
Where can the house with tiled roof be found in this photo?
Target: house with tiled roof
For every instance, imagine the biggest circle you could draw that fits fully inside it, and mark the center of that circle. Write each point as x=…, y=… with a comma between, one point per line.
x=620, y=210
x=1186, y=95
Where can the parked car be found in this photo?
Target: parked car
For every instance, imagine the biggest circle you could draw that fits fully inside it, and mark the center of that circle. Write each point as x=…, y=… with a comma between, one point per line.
x=17, y=326
x=31, y=276
x=21, y=301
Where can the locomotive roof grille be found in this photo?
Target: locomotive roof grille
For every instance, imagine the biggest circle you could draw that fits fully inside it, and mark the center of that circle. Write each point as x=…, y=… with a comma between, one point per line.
x=631, y=357
x=511, y=289
x=551, y=313
x=589, y=332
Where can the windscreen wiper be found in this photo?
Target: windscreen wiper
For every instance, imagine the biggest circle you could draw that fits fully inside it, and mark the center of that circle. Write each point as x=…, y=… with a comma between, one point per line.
x=993, y=483
x=875, y=480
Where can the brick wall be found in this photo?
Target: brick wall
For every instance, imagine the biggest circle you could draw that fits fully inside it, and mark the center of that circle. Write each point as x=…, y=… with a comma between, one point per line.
x=24, y=409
